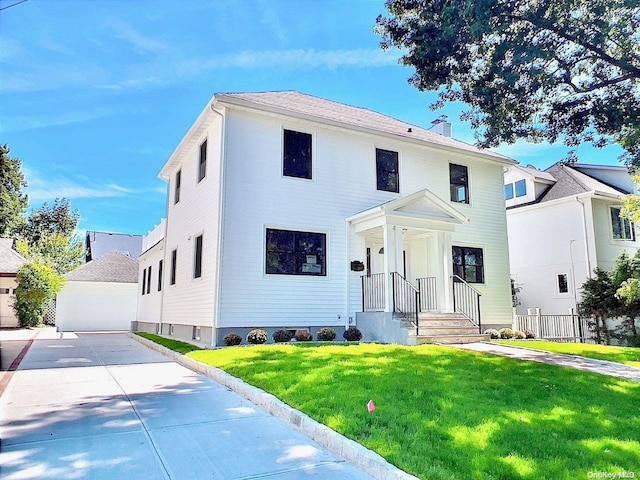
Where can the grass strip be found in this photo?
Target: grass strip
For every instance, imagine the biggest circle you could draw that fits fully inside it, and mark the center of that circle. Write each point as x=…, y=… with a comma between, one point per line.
x=175, y=345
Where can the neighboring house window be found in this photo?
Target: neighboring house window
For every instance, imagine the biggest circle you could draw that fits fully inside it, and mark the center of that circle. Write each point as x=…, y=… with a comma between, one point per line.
x=387, y=171
x=297, y=160
x=174, y=259
x=176, y=195
x=623, y=228
x=197, y=260
x=563, y=283
x=459, y=183
x=295, y=253
x=468, y=264
x=144, y=281
x=149, y=280
x=160, y=275
x=521, y=188
x=508, y=191
x=202, y=169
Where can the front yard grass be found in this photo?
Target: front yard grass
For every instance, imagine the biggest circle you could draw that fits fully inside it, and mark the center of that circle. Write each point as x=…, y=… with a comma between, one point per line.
x=175, y=345
x=444, y=413
x=627, y=355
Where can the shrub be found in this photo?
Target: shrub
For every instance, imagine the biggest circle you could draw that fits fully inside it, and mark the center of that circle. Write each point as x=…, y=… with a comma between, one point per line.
x=231, y=339
x=506, y=333
x=352, y=334
x=519, y=335
x=282, y=336
x=303, y=336
x=38, y=284
x=326, y=334
x=257, y=336
x=492, y=332
x=529, y=334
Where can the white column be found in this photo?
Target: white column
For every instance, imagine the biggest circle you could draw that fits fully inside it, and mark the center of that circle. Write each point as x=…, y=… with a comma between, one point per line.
x=387, y=239
x=444, y=244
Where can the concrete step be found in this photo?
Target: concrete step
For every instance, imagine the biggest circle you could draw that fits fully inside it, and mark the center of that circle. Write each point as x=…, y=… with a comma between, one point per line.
x=451, y=339
x=454, y=322
x=448, y=330
x=440, y=315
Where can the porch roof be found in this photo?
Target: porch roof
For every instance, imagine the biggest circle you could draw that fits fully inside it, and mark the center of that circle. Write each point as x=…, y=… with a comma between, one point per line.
x=421, y=210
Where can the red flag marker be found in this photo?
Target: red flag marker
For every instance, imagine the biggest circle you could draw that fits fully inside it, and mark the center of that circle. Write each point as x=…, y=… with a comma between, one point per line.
x=371, y=406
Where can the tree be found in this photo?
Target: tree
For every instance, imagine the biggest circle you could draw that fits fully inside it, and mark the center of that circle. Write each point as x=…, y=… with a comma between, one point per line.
x=599, y=303
x=13, y=202
x=626, y=279
x=38, y=284
x=60, y=252
x=532, y=69
x=57, y=218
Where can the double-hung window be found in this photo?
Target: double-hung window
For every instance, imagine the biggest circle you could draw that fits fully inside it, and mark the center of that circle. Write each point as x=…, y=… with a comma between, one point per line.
x=149, y=280
x=563, y=283
x=622, y=228
x=387, y=172
x=297, y=155
x=197, y=258
x=468, y=264
x=160, y=275
x=290, y=252
x=176, y=192
x=174, y=260
x=202, y=165
x=144, y=281
x=459, y=183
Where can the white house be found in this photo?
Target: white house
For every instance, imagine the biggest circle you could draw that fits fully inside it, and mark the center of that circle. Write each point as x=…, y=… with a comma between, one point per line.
x=563, y=223
x=10, y=263
x=290, y=211
x=99, y=295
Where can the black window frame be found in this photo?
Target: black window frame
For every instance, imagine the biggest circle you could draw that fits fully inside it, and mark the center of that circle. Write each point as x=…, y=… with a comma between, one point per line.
x=563, y=282
x=387, y=170
x=202, y=165
x=622, y=224
x=160, y=264
x=462, y=269
x=144, y=281
x=295, y=255
x=174, y=263
x=149, y=280
x=297, y=159
x=176, y=190
x=197, y=256
x=457, y=181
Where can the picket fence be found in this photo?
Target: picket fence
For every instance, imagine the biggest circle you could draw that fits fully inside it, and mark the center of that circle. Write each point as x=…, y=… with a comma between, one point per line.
x=571, y=327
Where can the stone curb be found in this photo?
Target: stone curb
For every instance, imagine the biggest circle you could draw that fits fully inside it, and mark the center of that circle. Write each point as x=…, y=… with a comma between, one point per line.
x=360, y=457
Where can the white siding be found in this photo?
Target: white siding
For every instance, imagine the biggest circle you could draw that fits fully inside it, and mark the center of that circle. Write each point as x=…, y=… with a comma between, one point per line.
x=608, y=248
x=149, y=304
x=8, y=317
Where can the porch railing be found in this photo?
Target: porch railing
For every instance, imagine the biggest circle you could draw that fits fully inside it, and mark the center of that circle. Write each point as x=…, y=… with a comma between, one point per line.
x=466, y=300
x=428, y=294
x=373, y=292
x=406, y=298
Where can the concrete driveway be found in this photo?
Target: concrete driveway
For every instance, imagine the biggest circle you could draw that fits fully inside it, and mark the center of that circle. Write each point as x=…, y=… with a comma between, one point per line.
x=104, y=406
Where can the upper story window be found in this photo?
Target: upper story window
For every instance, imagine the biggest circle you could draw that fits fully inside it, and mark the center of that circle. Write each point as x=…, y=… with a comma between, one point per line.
x=297, y=152
x=202, y=166
x=174, y=261
x=291, y=252
x=387, y=171
x=468, y=264
x=197, y=258
x=521, y=188
x=144, y=281
x=149, y=280
x=508, y=191
x=160, y=275
x=517, y=189
x=176, y=192
x=459, y=183
x=563, y=283
x=623, y=228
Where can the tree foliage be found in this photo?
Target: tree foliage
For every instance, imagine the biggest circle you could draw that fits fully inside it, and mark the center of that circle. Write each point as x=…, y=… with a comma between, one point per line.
x=38, y=284
x=51, y=219
x=13, y=202
x=562, y=70
x=60, y=252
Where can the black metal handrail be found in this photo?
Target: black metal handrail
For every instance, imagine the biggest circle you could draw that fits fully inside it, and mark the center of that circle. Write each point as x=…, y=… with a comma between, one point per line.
x=466, y=300
x=406, y=298
x=373, y=292
x=428, y=294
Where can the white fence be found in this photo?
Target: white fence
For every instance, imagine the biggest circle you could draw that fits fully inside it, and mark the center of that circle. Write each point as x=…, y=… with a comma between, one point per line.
x=554, y=327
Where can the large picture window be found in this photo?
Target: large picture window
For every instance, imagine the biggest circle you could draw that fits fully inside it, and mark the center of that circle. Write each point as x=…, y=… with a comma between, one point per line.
x=459, y=183
x=623, y=228
x=297, y=155
x=387, y=173
x=468, y=264
x=291, y=252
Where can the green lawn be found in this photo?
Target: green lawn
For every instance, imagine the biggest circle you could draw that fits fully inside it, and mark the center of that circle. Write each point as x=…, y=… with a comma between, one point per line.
x=175, y=345
x=628, y=355
x=444, y=413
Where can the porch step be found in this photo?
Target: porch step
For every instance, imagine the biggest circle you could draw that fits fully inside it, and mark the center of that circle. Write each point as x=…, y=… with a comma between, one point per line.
x=451, y=339
x=431, y=330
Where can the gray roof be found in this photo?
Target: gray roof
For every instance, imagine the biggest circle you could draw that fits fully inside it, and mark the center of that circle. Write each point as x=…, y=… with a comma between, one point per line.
x=111, y=267
x=299, y=104
x=10, y=260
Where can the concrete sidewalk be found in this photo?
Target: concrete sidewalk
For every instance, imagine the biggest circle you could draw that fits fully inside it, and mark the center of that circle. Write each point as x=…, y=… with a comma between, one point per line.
x=104, y=406
x=603, y=367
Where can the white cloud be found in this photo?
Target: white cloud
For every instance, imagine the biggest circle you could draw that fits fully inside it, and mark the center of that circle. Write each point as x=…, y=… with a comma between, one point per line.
x=16, y=124
x=141, y=44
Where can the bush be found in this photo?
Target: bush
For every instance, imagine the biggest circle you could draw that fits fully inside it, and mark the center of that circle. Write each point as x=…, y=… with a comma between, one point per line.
x=257, y=336
x=282, y=336
x=231, y=339
x=529, y=334
x=352, y=334
x=492, y=332
x=303, y=336
x=506, y=333
x=326, y=334
x=38, y=284
x=519, y=335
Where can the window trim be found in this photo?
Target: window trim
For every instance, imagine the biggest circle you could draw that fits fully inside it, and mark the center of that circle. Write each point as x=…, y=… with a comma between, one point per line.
x=202, y=161
x=149, y=280
x=144, y=281
x=327, y=259
x=632, y=226
x=312, y=134
x=197, y=256
x=566, y=280
x=515, y=188
x=467, y=185
x=484, y=269
x=506, y=196
x=160, y=265
x=397, y=152
x=174, y=266
x=176, y=186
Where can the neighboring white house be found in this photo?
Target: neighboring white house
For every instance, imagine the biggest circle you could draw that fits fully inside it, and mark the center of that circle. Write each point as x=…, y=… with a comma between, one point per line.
x=100, y=295
x=290, y=211
x=563, y=223
x=10, y=263
x=151, y=275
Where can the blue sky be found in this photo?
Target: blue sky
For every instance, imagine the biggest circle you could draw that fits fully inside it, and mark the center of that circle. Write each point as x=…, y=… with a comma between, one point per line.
x=95, y=95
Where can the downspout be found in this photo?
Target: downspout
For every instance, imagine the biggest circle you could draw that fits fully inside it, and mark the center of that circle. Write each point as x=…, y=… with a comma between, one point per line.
x=164, y=260
x=218, y=275
x=584, y=232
